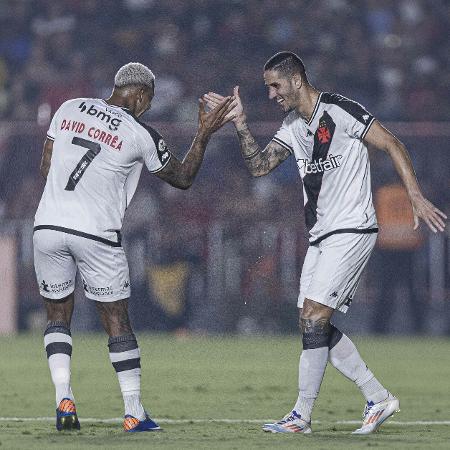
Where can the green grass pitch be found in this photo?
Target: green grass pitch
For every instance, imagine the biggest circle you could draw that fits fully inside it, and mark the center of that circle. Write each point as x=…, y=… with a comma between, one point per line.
x=192, y=385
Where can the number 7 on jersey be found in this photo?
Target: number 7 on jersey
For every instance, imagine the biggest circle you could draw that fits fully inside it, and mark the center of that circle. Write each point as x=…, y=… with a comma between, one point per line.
x=93, y=150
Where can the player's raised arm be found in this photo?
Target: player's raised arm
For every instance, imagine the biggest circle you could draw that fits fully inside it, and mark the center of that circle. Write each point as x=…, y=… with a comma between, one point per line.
x=381, y=138
x=46, y=157
x=182, y=174
x=259, y=162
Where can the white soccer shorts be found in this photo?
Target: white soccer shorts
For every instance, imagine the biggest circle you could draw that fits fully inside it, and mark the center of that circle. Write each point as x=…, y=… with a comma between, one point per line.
x=103, y=268
x=332, y=269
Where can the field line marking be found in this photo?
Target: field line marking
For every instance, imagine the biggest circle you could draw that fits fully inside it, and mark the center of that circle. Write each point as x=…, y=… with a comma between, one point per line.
x=260, y=421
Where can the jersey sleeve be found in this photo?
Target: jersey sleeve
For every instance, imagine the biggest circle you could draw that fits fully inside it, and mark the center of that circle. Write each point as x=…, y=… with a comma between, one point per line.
x=53, y=128
x=154, y=150
x=283, y=137
x=358, y=120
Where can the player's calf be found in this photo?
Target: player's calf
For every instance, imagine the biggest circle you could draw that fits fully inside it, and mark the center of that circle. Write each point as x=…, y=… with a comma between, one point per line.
x=315, y=327
x=58, y=345
x=126, y=359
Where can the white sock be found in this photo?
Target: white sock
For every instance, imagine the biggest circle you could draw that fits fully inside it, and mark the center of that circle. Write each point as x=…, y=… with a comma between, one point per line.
x=313, y=363
x=58, y=345
x=60, y=371
x=125, y=358
x=345, y=357
x=133, y=405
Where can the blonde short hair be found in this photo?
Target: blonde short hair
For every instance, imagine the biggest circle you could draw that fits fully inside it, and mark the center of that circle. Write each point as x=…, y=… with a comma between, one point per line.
x=134, y=73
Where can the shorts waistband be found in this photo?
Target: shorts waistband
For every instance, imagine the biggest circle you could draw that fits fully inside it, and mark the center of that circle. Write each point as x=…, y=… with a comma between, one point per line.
x=343, y=231
x=82, y=234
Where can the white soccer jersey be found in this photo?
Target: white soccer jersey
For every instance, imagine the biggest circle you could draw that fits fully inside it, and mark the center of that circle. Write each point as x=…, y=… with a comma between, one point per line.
x=98, y=154
x=334, y=165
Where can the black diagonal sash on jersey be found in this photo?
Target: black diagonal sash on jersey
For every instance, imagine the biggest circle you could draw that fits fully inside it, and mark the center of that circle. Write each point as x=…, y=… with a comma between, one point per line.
x=313, y=181
x=93, y=150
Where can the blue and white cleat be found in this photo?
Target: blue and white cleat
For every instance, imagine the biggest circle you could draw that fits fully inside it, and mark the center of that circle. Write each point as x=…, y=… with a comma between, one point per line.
x=290, y=423
x=376, y=413
x=66, y=415
x=133, y=425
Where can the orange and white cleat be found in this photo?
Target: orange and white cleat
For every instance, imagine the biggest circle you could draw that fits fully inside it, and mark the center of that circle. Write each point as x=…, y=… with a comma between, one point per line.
x=66, y=415
x=290, y=423
x=377, y=413
x=133, y=425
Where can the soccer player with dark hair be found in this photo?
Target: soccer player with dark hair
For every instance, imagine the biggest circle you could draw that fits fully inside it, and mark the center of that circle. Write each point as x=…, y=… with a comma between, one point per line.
x=92, y=160
x=328, y=135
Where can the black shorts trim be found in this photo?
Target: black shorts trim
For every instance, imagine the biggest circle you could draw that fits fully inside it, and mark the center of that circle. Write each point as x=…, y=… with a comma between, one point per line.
x=82, y=234
x=344, y=231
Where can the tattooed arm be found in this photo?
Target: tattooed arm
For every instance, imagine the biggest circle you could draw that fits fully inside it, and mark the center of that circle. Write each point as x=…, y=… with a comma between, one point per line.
x=182, y=174
x=259, y=162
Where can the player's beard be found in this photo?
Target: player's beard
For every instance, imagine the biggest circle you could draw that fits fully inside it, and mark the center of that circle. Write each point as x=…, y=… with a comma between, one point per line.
x=287, y=106
x=293, y=103
x=290, y=102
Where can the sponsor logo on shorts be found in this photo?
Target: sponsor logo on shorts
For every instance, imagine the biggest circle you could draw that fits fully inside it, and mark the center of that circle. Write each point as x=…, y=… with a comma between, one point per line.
x=126, y=284
x=334, y=294
x=55, y=288
x=99, y=291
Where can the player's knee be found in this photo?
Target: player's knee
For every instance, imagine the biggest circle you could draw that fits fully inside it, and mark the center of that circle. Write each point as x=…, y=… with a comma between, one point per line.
x=315, y=326
x=312, y=309
x=118, y=326
x=114, y=317
x=315, y=333
x=59, y=310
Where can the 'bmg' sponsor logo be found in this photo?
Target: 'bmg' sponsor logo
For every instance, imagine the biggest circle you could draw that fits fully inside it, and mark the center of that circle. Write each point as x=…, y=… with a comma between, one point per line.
x=92, y=111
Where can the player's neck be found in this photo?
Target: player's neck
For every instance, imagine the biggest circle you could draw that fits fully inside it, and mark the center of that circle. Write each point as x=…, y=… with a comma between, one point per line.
x=307, y=102
x=121, y=101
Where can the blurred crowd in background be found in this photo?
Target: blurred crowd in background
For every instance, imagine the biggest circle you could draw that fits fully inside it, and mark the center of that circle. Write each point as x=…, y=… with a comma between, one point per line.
x=393, y=56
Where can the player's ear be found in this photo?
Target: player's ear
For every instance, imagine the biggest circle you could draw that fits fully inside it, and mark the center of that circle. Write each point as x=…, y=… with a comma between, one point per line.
x=297, y=79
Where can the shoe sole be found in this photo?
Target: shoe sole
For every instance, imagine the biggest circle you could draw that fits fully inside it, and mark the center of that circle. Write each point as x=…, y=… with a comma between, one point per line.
x=268, y=429
x=143, y=431
x=68, y=423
